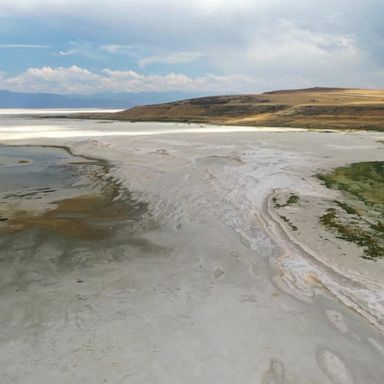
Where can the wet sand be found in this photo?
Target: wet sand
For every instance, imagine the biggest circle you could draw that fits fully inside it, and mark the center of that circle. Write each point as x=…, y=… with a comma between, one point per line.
x=206, y=287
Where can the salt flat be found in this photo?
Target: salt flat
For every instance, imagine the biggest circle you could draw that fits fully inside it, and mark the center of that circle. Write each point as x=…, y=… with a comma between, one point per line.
x=210, y=289
x=48, y=111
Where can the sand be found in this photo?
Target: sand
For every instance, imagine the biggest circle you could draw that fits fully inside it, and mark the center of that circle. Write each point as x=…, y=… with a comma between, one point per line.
x=212, y=287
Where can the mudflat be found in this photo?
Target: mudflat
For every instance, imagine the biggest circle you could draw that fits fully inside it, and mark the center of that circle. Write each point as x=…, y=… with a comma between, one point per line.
x=208, y=282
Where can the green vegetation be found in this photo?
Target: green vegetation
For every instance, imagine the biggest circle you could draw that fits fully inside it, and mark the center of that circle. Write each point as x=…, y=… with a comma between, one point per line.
x=362, y=185
x=293, y=199
x=365, y=181
x=347, y=208
x=373, y=244
x=284, y=218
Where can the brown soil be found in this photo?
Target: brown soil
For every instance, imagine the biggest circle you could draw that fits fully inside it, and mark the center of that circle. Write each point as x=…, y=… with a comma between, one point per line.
x=89, y=217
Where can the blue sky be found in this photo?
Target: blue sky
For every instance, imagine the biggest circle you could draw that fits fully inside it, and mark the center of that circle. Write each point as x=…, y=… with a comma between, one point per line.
x=217, y=46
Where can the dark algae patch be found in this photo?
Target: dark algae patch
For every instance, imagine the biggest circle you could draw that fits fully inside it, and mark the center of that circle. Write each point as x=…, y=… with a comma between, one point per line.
x=360, y=217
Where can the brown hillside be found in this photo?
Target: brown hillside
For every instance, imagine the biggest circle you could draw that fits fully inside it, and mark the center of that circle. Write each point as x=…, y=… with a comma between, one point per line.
x=309, y=108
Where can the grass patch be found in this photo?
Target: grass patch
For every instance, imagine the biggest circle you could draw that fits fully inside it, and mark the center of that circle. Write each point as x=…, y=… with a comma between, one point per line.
x=365, y=181
x=379, y=227
x=284, y=218
x=361, y=184
x=347, y=208
x=292, y=199
x=372, y=244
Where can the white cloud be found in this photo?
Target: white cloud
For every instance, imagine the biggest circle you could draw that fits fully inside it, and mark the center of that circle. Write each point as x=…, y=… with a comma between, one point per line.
x=299, y=47
x=136, y=82
x=214, y=6
x=80, y=48
x=79, y=80
x=115, y=48
x=23, y=46
x=68, y=52
x=95, y=51
x=276, y=43
x=173, y=58
x=48, y=79
x=294, y=52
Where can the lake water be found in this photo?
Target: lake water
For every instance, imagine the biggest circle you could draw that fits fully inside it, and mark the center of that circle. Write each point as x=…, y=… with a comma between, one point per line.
x=41, y=173
x=48, y=189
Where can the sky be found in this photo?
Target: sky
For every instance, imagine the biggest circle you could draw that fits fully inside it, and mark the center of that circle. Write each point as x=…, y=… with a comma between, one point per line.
x=208, y=46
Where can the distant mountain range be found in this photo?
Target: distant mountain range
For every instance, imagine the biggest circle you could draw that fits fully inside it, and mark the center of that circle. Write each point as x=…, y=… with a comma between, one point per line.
x=100, y=100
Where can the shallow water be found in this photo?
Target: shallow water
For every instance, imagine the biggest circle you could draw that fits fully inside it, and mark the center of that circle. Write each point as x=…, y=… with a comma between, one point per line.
x=33, y=172
x=60, y=212
x=49, y=188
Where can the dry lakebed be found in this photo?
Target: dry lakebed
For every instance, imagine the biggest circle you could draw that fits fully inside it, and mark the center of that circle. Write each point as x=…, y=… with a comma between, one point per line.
x=189, y=253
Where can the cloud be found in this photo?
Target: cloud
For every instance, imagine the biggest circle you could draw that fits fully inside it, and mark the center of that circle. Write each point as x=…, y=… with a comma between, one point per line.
x=95, y=51
x=81, y=49
x=75, y=79
x=276, y=43
x=173, y=58
x=210, y=7
x=68, y=52
x=306, y=56
x=302, y=49
x=48, y=79
x=115, y=48
x=136, y=82
x=23, y=46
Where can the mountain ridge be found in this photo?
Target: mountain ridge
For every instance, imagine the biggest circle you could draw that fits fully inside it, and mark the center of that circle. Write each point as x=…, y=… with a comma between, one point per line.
x=122, y=100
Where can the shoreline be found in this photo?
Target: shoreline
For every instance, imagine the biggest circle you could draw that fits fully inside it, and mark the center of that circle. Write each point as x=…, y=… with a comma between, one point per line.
x=340, y=282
